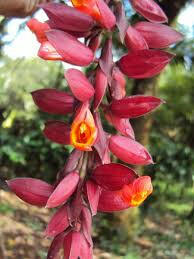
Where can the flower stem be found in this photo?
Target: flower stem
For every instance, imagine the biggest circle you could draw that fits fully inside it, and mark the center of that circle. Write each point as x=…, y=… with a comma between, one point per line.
x=83, y=170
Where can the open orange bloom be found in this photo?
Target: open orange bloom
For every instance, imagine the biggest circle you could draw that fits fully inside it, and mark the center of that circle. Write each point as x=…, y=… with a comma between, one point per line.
x=83, y=130
x=89, y=7
x=134, y=194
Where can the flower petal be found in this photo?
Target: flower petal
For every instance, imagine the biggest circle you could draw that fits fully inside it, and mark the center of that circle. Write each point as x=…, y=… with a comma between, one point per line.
x=85, y=249
x=87, y=224
x=95, y=42
x=56, y=246
x=150, y=10
x=73, y=51
x=118, y=84
x=58, y=223
x=63, y=190
x=134, y=194
x=73, y=160
x=134, y=39
x=121, y=20
x=30, y=190
x=158, y=35
x=93, y=193
x=121, y=124
x=72, y=244
x=100, y=87
x=107, y=18
x=144, y=63
x=53, y=101
x=106, y=59
x=68, y=18
x=134, y=106
x=102, y=140
x=129, y=151
x=48, y=52
x=39, y=29
x=113, y=176
x=58, y=132
x=111, y=201
x=142, y=184
x=79, y=84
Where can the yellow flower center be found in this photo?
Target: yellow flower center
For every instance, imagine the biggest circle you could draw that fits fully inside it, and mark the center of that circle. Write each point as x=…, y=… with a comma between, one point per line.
x=138, y=198
x=83, y=133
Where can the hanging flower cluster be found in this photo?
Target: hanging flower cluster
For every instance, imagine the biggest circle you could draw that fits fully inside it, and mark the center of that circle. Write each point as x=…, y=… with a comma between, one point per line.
x=89, y=181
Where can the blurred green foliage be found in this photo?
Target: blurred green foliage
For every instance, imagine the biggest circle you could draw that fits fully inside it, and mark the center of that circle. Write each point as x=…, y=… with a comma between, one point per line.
x=171, y=138
x=24, y=150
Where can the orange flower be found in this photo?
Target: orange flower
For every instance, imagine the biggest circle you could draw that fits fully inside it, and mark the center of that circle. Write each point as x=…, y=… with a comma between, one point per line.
x=134, y=194
x=98, y=10
x=39, y=29
x=83, y=130
x=88, y=6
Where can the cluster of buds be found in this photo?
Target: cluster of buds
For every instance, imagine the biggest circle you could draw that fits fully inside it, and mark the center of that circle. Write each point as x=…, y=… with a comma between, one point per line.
x=89, y=181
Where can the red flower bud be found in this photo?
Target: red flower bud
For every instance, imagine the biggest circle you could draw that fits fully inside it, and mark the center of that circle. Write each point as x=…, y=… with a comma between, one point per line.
x=129, y=151
x=73, y=51
x=93, y=193
x=76, y=246
x=113, y=176
x=85, y=249
x=79, y=84
x=150, y=10
x=158, y=35
x=72, y=244
x=134, y=106
x=77, y=205
x=87, y=224
x=107, y=18
x=83, y=129
x=121, y=124
x=95, y=42
x=144, y=63
x=32, y=191
x=106, y=59
x=100, y=87
x=68, y=18
x=56, y=245
x=101, y=144
x=118, y=84
x=63, y=190
x=53, y=101
x=58, y=223
x=134, y=39
x=121, y=20
x=58, y=132
x=73, y=160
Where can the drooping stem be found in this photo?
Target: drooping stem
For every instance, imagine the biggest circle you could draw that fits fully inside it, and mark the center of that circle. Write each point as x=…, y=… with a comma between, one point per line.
x=83, y=170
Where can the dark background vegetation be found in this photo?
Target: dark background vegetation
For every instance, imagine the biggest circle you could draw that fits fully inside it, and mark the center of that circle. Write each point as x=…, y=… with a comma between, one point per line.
x=163, y=226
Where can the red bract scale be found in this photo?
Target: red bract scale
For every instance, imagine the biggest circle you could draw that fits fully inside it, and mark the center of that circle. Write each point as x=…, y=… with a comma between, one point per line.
x=89, y=182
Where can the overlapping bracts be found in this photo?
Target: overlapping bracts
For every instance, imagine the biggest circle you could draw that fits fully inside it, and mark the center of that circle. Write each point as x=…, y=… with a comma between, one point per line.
x=89, y=182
